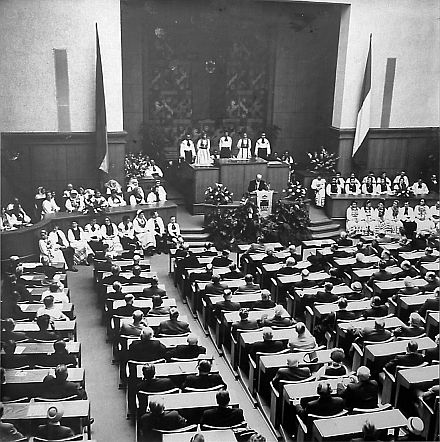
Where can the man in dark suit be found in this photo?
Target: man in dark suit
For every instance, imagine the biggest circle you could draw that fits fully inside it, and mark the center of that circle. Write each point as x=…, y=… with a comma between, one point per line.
x=257, y=184
x=9, y=359
x=429, y=257
x=430, y=304
x=208, y=250
x=147, y=349
x=325, y=405
x=376, y=334
x=45, y=268
x=233, y=273
x=151, y=384
x=202, y=276
x=134, y=328
x=52, y=430
x=8, y=333
x=249, y=286
x=360, y=394
x=205, y=379
x=215, y=288
x=305, y=281
x=289, y=267
x=187, y=351
x=343, y=241
x=158, y=307
x=14, y=286
x=377, y=309
x=109, y=280
x=381, y=275
x=227, y=304
x=59, y=387
x=222, y=415
x=270, y=257
x=409, y=289
x=292, y=372
x=160, y=419
x=265, y=301
x=325, y=296
x=173, y=326
x=153, y=290
x=60, y=356
x=8, y=432
x=128, y=309
x=413, y=329
x=244, y=323
x=43, y=333
x=407, y=270
x=137, y=278
x=411, y=358
x=268, y=345
x=432, y=282
x=336, y=253
x=117, y=293
x=223, y=260
x=189, y=262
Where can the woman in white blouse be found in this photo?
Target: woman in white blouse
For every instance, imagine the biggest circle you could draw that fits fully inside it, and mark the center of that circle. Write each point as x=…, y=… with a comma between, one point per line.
x=78, y=240
x=143, y=233
x=110, y=235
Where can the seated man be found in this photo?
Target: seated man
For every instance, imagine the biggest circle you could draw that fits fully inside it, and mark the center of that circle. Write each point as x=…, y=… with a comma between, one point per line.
x=336, y=253
x=305, y=282
x=137, y=278
x=43, y=333
x=11, y=308
x=289, y=267
x=158, y=308
x=361, y=262
x=265, y=301
x=362, y=393
x=56, y=289
x=147, y=349
x=413, y=329
x=377, y=310
x=343, y=240
x=429, y=257
x=292, y=372
x=128, y=309
x=60, y=356
x=208, y=251
x=160, y=419
x=430, y=304
x=53, y=430
x=233, y=273
x=19, y=287
x=8, y=333
x=249, y=285
x=244, y=323
x=202, y=276
x=45, y=268
x=205, y=379
x=411, y=358
x=11, y=360
x=342, y=314
x=325, y=405
x=335, y=276
x=190, y=350
x=109, y=280
x=215, y=288
x=117, y=293
x=8, y=432
x=153, y=290
x=223, y=260
x=335, y=368
x=303, y=340
x=50, y=309
x=59, y=387
x=409, y=289
x=227, y=304
x=134, y=328
x=432, y=282
x=151, y=384
x=381, y=275
x=268, y=345
x=222, y=415
x=327, y=295
x=407, y=270
x=270, y=257
x=356, y=291
x=376, y=334
x=280, y=318
x=173, y=326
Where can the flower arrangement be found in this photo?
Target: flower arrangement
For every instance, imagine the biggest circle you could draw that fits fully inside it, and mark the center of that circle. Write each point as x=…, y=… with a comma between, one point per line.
x=323, y=161
x=218, y=195
x=135, y=165
x=295, y=191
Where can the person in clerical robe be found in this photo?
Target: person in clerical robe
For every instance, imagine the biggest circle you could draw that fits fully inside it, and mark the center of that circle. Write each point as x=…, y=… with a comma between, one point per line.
x=262, y=147
x=203, y=155
x=244, y=146
x=333, y=188
x=187, y=149
x=355, y=223
x=318, y=185
x=225, y=145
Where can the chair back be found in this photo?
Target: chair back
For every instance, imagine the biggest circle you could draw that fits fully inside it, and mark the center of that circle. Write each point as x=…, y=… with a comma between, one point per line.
x=40, y=439
x=410, y=338
x=17, y=401
x=372, y=410
x=391, y=339
x=67, y=398
x=405, y=367
x=165, y=335
x=230, y=427
x=389, y=315
x=186, y=429
x=302, y=381
x=317, y=416
x=132, y=366
x=214, y=388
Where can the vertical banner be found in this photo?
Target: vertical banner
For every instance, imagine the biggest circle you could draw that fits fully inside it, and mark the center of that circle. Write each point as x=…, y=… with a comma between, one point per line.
x=264, y=202
x=100, y=113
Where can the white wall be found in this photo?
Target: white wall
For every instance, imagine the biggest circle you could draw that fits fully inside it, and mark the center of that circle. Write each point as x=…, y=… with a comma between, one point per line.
x=29, y=31
x=407, y=30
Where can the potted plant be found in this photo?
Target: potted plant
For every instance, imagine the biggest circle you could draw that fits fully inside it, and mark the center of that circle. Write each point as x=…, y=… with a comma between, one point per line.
x=323, y=162
x=135, y=165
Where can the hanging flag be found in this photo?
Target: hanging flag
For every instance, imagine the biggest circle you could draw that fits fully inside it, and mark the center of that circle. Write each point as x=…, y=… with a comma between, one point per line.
x=363, y=116
x=100, y=113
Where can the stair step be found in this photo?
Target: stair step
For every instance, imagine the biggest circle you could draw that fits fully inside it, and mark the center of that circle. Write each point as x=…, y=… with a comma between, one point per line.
x=324, y=235
x=324, y=228
x=196, y=237
x=191, y=229
x=321, y=221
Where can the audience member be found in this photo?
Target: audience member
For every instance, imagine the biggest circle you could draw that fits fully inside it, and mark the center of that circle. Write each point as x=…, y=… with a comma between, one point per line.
x=160, y=419
x=53, y=311
x=223, y=415
x=265, y=302
x=249, y=285
x=134, y=328
x=411, y=358
x=268, y=345
x=378, y=333
x=8, y=333
x=158, y=308
x=60, y=356
x=280, y=318
x=361, y=392
x=227, y=304
x=223, y=260
x=53, y=430
x=335, y=367
x=215, y=288
x=293, y=372
x=146, y=349
x=59, y=387
x=325, y=405
x=173, y=326
x=153, y=290
x=205, y=379
x=191, y=350
x=8, y=433
x=233, y=273
x=303, y=340
x=244, y=323
x=377, y=309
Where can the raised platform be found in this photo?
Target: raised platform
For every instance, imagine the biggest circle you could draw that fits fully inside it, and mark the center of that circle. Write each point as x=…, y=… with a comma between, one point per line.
x=336, y=206
x=24, y=242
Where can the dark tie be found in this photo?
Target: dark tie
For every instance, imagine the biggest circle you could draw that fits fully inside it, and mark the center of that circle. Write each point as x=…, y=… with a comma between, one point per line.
x=156, y=192
x=60, y=240
x=156, y=226
x=406, y=210
x=173, y=226
x=187, y=142
x=126, y=226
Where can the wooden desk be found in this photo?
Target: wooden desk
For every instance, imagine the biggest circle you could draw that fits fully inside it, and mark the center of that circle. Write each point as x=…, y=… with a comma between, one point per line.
x=32, y=309
x=317, y=243
x=342, y=327
x=432, y=320
x=63, y=328
x=406, y=304
x=327, y=251
x=39, y=279
x=233, y=284
x=172, y=369
x=128, y=275
x=154, y=321
x=37, y=292
x=349, y=262
x=142, y=304
x=388, y=350
x=415, y=255
x=209, y=436
x=324, y=429
x=353, y=306
x=135, y=288
x=364, y=274
x=243, y=248
x=36, y=376
x=395, y=285
x=29, y=267
x=415, y=376
x=169, y=342
x=430, y=267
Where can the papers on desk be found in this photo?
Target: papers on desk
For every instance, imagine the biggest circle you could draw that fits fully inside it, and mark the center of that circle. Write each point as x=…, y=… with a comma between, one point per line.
x=19, y=349
x=38, y=409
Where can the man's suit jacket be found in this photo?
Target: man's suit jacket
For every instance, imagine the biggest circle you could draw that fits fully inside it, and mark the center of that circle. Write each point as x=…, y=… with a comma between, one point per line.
x=290, y=374
x=146, y=351
x=429, y=304
x=47, y=270
x=408, y=331
x=169, y=420
x=326, y=297
x=253, y=186
x=130, y=329
x=125, y=310
x=156, y=385
x=109, y=280
x=203, y=381
x=408, y=291
x=288, y=271
x=221, y=261
x=233, y=275
x=406, y=360
x=205, y=276
x=381, y=275
x=325, y=406
x=184, y=351
x=54, y=432
x=248, y=324
x=215, y=289
x=249, y=288
x=376, y=312
x=9, y=433
x=139, y=280
x=412, y=272
x=222, y=417
x=266, y=347
x=344, y=242
x=172, y=327
x=149, y=292
x=55, y=359
x=373, y=335
x=55, y=389
x=263, y=304
x=270, y=259
x=229, y=306
x=363, y=394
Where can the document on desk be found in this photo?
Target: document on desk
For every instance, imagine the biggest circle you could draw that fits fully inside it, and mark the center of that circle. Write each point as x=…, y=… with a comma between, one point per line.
x=38, y=409
x=19, y=349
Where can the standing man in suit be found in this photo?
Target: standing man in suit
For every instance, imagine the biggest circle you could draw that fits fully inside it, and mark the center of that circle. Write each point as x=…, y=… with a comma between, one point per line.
x=257, y=184
x=187, y=149
x=262, y=147
x=222, y=415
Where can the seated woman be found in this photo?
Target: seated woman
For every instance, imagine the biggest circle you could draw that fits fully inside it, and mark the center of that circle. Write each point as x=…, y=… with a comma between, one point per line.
x=355, y=222
x=352, y=186
x=203, y=156
x=392, y=217
x=110, y=236
x=75, y=202
x=112, y=186
x=136, y=196
x=49, y=249
x=368, y=187
x=335, y=367
x=382, y=187
x=49, y=205
x=422, y=217
x=400, y=186
x=96, y=203
x=157, y=193
x=18, y=216
x=381, y=224
x=115, y=199
x=126, y=234
x=369, y=216
x=333, y=188
x=143, y=233
x=78, y=241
